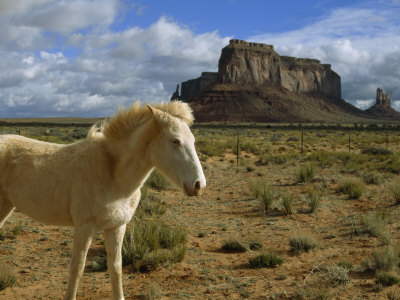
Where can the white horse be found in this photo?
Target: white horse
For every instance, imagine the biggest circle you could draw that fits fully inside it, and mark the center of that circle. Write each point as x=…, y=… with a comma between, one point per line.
x=95, y=184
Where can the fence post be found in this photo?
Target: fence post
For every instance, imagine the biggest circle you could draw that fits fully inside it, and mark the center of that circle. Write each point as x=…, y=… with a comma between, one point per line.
x=302, y=136
x=387, y=140
x=349, y=141
x=237, y=150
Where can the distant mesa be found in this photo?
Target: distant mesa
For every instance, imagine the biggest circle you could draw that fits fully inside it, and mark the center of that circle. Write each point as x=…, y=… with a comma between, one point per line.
x=383, y=106
x=256, y=84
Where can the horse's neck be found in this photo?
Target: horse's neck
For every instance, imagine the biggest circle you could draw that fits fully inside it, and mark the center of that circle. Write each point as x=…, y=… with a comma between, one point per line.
x=132, y=159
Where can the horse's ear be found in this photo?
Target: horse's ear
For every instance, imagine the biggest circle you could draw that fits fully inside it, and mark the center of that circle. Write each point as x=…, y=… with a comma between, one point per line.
x=159, y=115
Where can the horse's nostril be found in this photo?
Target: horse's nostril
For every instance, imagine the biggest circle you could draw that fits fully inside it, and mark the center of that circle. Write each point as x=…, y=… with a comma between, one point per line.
x=197, y=185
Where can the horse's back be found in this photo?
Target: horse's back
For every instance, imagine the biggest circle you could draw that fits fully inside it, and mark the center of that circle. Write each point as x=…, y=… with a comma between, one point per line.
x=33, y=178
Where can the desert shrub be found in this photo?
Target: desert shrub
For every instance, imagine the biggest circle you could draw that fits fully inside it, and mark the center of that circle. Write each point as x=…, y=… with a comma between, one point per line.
x=395, y=192
x=18, y=228
x=149, y=242
x=314, y=201
x=387, y=278
x=376, y=151
x=375, y=224
x=7, y=276
x=338, y=275
x=324, y=158
x=372, y=178
x=265, y=260
x=293, y=138
x=287, y=204
x=99, y=264
x=305, y=173
x=211, y=147
x=354, y=188
x=234, y=245
x=276, y=137
x=386, y=258
x=157, y=181
x=303, y=243
x=263, y=193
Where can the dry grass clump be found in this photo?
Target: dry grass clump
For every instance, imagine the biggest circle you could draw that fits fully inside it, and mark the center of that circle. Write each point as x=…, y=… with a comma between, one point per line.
x=376, y=151
x=395, y=192
x=234, y=245
x=305, y=173
x=148, y=242
x=372, y=178
x=387, y=278
x=287, y=204
x=314, y=201
x=303, y=242
x=354, y=188
x=157, y=181
x=7, y=276
x=375, y=224
x=386, y=258
x=262, y=192
x=266, y=260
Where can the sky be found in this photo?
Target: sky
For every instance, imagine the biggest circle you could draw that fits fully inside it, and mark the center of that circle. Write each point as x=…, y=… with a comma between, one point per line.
x=86, y=58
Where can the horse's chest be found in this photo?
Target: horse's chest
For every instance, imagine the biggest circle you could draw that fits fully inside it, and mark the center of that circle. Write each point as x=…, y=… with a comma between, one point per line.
x=116, y=213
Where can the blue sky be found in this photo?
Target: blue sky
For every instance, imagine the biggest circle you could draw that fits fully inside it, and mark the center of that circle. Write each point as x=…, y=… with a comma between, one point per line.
x=85, y=58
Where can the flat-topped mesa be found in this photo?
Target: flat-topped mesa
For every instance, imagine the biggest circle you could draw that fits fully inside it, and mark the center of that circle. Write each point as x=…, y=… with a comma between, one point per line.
x=246, y=63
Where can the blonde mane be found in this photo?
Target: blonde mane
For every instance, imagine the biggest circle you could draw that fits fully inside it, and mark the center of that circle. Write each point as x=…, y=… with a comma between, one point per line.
x=127, y=119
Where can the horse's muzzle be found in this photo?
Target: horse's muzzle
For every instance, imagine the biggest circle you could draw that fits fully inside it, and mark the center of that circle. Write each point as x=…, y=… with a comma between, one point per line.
x=195, y=190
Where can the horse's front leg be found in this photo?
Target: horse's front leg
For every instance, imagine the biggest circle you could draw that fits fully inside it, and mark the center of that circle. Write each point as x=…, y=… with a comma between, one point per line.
x=83, y=236
x=114, y=238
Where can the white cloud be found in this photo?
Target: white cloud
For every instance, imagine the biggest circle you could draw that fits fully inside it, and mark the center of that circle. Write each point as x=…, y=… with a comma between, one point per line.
x=112, y=68
x=361, y=44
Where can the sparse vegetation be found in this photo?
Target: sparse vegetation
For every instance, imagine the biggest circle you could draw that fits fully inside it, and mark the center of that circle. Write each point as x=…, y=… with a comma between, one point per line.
x=234, y=245
x=354, y=188
x=387, y=278
x=263, y=193
x=395, y=191
x=265, y=260
x=7, y=276
x=302, y=242
x=287, y=204
x=157, y=181
x=386, y=258
x=314, y=201
x=305, y=173
x=350, y=236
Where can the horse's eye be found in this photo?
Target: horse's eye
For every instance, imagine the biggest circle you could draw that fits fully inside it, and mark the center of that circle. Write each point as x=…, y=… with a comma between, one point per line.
x=176, y=141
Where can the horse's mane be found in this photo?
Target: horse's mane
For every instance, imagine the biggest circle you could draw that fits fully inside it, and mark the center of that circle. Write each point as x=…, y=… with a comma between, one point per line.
x=126, y=119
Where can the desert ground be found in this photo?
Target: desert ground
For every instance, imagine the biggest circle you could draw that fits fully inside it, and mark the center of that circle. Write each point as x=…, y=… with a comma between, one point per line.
x=331, y=224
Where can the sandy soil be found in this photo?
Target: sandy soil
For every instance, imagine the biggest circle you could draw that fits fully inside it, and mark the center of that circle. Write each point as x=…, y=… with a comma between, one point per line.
x=40, y=254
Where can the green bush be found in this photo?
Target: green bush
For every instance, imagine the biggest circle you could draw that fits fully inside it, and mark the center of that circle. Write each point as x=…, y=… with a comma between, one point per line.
x=305, y=173
x=266, y=260
x=354, y=188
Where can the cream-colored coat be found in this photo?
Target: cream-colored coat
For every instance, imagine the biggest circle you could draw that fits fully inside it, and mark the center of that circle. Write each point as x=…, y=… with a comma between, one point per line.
x=95, y=183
